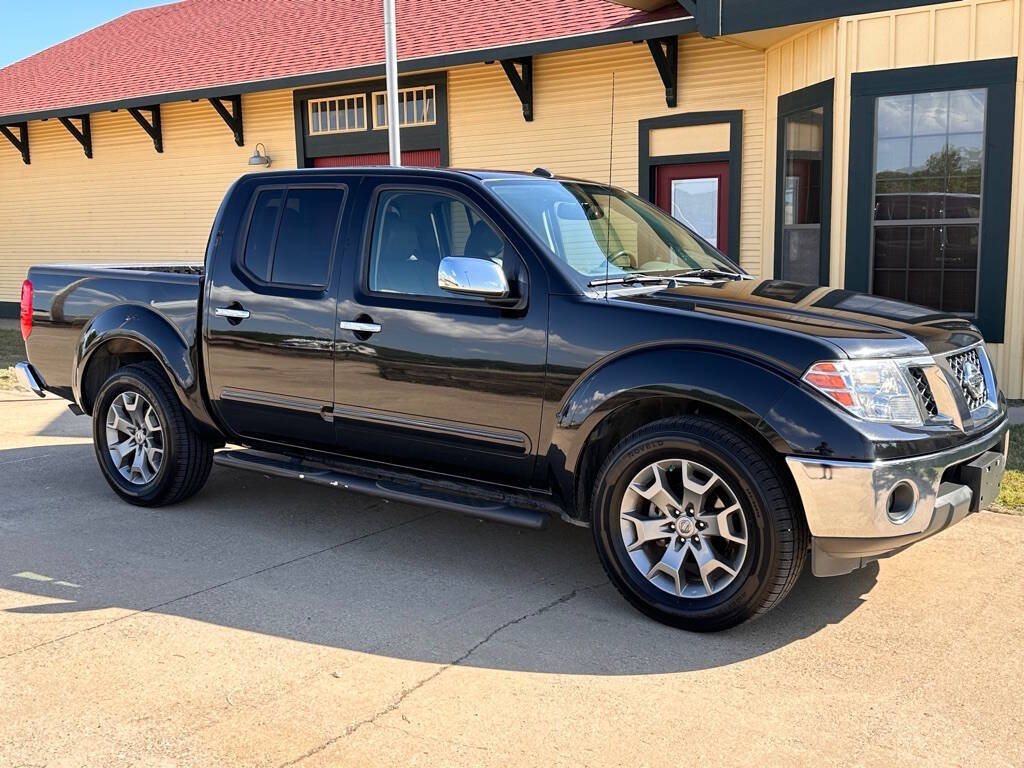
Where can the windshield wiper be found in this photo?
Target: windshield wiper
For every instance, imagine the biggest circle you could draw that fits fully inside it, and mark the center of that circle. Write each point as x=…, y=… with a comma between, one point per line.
x=709, y=273
x=631, y=280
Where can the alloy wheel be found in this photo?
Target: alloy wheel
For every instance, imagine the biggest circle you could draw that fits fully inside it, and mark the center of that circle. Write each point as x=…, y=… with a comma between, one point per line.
x=683, y=528
x=135, y=438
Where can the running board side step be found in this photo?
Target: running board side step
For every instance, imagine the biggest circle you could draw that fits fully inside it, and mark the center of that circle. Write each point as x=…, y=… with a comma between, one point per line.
x=399, y=488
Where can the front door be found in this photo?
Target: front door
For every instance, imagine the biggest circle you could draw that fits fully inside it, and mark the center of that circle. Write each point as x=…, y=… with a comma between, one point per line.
x=697, y=194
x=425, y=378
x=270, y=316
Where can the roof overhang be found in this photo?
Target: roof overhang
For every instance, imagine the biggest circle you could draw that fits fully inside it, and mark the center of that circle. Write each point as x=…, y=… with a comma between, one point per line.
x=730, y=17
x=627, y=34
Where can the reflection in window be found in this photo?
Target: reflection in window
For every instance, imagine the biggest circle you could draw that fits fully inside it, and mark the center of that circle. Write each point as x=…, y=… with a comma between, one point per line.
x=929, y=155
x=801, y=211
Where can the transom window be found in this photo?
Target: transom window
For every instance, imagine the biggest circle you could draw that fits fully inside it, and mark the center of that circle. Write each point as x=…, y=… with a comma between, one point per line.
x=338, y=114
x=929, y=158
x=416, y=106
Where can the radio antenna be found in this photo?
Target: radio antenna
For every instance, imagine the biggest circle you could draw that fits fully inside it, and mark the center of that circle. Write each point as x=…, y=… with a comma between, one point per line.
x=608, y=205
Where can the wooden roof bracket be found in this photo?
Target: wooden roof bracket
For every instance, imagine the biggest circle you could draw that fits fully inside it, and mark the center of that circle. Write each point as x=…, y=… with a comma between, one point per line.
x=520, y=73
x=82, y=132
x=665, y=51
x=152, y=126
x=20, y=143
x=232, y=118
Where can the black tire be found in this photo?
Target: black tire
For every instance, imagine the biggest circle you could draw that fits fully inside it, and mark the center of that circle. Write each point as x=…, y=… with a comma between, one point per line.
x=187, y=457
x=778, y=539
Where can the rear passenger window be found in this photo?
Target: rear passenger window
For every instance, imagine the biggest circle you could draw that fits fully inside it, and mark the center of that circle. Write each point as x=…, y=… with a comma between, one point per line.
x=260, y=241
x=292, y=234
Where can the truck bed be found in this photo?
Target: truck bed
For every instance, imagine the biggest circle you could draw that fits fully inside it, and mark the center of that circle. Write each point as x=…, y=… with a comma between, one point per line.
x=67, y=296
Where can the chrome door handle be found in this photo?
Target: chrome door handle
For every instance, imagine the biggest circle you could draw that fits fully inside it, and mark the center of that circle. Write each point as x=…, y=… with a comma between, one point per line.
x=360, y=327
x=234, y=314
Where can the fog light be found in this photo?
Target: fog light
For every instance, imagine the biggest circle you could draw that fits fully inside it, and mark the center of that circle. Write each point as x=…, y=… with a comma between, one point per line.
x=902, y=502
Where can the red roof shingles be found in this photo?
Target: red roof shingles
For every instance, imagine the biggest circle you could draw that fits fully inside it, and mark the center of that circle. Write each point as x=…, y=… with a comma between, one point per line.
x=197, y=44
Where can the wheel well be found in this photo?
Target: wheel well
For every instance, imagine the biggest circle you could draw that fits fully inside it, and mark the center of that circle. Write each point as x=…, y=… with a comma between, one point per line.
x=105, y=361
x=631, y=417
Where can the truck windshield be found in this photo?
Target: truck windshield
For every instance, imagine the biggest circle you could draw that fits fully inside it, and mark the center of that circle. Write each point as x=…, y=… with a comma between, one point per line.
x=606, y=233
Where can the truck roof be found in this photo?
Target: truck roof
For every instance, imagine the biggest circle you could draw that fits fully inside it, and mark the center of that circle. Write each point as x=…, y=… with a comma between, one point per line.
x=427, y=172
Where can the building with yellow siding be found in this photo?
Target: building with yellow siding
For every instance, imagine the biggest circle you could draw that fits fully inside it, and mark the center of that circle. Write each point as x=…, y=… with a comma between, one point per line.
x=870, y=144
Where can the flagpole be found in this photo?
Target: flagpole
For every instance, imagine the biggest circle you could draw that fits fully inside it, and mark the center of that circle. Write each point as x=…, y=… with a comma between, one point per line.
x=391, y=69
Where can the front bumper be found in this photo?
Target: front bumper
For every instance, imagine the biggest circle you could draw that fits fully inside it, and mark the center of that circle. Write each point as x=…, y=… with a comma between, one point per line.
x=29, y=379
x=858, y=512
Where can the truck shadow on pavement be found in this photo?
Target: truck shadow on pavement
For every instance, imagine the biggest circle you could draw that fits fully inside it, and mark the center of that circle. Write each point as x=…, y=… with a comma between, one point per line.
x=340, y=570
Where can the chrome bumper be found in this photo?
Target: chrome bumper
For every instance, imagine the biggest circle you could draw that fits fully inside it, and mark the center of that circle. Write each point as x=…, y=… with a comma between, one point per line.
x=29, y=379
x=854, y=517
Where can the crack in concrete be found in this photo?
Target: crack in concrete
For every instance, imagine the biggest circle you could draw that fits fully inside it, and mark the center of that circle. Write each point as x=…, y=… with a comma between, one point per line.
x=211, y=588
x=407, y=692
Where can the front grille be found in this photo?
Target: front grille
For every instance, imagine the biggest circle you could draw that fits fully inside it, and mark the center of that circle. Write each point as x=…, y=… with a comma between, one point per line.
x=970, y=375
x=924, y=391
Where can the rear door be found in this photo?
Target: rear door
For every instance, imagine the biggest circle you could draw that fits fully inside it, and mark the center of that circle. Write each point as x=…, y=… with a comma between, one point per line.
x=270, y=315
x=437, y=381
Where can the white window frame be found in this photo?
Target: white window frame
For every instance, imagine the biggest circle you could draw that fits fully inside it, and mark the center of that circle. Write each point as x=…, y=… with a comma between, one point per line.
x=341, y=105
x=380, y=115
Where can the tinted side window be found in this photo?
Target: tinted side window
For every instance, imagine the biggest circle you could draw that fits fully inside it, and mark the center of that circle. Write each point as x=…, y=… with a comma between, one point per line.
x=413, y=231
x=292, y=234
x=260, y=242
x=306, y=236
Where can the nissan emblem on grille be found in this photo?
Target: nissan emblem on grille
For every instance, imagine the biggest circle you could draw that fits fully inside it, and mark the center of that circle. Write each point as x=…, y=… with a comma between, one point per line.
x=967, y=368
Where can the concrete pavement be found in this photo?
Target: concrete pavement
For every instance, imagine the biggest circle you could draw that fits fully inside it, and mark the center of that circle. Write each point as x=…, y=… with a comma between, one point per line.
x=265, y=623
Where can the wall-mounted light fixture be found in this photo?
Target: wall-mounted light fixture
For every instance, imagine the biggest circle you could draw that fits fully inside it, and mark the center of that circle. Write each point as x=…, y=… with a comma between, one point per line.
x=260, y=158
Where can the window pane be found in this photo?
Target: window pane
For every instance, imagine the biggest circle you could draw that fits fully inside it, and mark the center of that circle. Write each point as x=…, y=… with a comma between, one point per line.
x=967, y=111
x=931, y=114
x=695, y=203
x=415, y=230
x=961, y=247
x=306, y=238
x=891, y=247
x=958, y=291
x=261, y=232
x=925, y=288
x=801, y=255
x=894, y=116
x=891, y=284
x=925, y=248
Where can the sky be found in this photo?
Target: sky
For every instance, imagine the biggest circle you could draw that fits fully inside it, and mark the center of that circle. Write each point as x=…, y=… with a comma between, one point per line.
x=29, y=26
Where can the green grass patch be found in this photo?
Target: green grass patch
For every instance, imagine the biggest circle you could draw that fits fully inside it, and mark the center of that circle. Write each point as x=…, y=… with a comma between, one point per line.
x=1011, y=494
x=12, y=351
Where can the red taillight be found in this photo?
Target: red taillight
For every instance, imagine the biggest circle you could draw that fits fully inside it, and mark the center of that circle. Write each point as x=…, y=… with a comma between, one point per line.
x=26, y=309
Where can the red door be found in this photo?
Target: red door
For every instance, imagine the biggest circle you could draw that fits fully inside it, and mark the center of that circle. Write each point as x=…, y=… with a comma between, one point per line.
x=697, y=194
x=423, y=158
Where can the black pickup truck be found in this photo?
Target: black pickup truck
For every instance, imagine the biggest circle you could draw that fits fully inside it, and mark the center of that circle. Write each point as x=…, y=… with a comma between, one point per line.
x=520, y=346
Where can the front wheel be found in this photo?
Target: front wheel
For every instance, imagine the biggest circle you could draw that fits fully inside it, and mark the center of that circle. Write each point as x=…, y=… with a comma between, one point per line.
x=148, y=451
x=695, y=526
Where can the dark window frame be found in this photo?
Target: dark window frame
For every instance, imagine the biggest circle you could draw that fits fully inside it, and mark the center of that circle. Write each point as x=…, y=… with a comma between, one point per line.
x=734, y=156
x=999, y=77
x=370, y=140
x=256, y=282
x=818, y=95
x=393, y=298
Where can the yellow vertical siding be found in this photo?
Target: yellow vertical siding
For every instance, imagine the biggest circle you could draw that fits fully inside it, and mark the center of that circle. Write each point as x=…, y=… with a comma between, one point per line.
x=572, y=101
x=967, y=31
x=129, y=203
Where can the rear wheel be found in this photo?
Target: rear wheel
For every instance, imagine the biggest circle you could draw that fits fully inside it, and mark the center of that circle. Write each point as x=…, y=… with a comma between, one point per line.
x=695, y=526
x=148, y=451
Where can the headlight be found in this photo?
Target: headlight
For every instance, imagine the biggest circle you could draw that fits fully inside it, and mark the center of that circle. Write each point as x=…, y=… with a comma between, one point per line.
x=874, y=390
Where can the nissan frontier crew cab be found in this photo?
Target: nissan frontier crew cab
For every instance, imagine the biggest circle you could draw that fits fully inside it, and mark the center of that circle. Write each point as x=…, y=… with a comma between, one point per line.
x=520, y=346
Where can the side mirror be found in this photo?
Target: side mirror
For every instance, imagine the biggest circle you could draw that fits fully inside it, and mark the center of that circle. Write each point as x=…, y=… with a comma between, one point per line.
x=474, y=277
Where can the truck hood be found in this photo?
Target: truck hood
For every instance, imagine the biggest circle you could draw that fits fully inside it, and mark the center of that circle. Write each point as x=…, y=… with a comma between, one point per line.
x=859, y=324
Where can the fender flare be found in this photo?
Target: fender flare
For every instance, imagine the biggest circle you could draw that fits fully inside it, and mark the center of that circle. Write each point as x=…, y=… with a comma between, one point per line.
x=746, y=388
x=160, y=338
